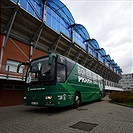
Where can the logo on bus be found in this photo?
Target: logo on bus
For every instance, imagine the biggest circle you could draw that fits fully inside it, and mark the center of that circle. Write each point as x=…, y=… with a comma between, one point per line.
x=83, y=76
x=62, y=97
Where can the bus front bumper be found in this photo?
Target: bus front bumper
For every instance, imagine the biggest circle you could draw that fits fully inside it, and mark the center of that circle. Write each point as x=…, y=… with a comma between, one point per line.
x=41, y=100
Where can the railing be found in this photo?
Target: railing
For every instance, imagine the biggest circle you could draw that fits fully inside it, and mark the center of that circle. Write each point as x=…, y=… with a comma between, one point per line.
x=7, y=73
x=112, y=84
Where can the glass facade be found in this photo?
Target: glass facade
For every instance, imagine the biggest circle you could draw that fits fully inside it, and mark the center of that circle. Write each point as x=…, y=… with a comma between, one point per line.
x=57, y=23
x=60, y=19
x=34, y=7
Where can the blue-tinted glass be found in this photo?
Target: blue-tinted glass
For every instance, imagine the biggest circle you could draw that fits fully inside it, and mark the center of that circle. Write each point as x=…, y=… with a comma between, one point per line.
x=82, y=31
x=53, y=23
x=39, y=1
x=38, y=11
x=57, y=18
x=41, y=12
x=103, y=51
x=84, y=46
x=62, y=26
x=74, y=37
x=61, y=9
x=30, y=7
x=89, y=49
x=58, y=26
x=66, y=29
x=48, y=19
x=23, y=3
x=53, y=14
x=79, y=42
x=69, y=33
x=48, y=10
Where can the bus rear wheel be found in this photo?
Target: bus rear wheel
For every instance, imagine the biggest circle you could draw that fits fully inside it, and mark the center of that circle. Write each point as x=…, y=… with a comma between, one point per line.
x=76, y=100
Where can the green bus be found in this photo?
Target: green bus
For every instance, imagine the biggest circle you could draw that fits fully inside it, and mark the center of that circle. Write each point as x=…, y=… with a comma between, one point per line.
x=57, y=81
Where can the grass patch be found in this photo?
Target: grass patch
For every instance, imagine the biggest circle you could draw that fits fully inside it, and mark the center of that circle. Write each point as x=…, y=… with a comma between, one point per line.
x=129, y=104
x=123, y=104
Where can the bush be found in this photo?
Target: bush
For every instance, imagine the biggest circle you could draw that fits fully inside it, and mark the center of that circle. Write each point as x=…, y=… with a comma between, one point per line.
x=121, y=97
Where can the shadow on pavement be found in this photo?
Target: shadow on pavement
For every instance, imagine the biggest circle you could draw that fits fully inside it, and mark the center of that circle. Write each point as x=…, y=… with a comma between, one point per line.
x=54, y=110
x=48, y=110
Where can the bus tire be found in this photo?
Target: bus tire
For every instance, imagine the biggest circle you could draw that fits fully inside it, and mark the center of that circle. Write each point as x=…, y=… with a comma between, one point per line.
x=76, y=100
x=100, y=97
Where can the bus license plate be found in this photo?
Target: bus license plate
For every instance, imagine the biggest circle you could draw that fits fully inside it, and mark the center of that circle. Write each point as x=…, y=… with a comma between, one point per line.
x=34, y=103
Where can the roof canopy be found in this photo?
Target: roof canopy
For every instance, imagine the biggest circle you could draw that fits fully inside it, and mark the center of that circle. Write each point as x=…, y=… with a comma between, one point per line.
x=94, y=44
x=59, y=8
x=121, y=70
x=108, y=57
x=82, y=31
x=113, y=62
x=102, y=52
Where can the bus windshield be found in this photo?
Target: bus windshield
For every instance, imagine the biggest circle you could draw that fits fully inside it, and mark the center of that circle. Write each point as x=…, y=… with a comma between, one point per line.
x=39, y=71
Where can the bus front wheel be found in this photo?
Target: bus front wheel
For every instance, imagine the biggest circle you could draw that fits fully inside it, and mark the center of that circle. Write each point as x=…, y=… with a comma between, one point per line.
x=76, y=100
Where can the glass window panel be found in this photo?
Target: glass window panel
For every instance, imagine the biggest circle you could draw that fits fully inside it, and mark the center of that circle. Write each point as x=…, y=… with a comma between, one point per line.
x=61, y=73
x=23, y=3
x=53, y=23
x=70, y=65
x=38, y=11
x=30, y=7
x=58, y=26
x=48, y=20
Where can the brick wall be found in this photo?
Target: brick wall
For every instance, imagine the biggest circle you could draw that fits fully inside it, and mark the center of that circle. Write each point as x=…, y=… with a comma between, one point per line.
x=12, y=51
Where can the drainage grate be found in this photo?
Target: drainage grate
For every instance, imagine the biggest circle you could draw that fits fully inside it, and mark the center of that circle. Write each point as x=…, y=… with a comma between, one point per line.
x=84, y=126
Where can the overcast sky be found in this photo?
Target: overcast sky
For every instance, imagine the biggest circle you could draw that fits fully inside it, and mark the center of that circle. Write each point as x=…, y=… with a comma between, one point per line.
x=110, y=23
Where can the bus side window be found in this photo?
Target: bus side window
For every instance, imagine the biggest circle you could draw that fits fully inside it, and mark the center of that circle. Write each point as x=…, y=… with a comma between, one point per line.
x=61, y=73
x=70, y=65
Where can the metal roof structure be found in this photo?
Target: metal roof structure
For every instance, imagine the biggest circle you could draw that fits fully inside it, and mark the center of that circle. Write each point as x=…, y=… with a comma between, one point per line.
x=108, y=58
x=82, y=31
x=96, y=45
x=27, y=23
x=59, y=8
x=102, y=52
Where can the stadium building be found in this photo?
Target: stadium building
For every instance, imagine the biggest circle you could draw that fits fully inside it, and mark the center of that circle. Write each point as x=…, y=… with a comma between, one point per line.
x=34, y=28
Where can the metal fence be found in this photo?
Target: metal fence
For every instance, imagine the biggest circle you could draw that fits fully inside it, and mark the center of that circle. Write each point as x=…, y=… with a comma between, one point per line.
x=7, y=73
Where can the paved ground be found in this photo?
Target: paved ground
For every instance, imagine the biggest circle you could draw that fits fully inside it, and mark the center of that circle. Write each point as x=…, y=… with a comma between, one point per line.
x=109, y=117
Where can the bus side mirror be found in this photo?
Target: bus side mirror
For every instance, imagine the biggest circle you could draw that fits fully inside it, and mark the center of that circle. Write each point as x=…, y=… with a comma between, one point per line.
x=51, y=58
x=20, y=64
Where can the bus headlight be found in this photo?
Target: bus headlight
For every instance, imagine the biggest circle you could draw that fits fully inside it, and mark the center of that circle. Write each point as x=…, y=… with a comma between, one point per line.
x=24, y=98
x=48, y=97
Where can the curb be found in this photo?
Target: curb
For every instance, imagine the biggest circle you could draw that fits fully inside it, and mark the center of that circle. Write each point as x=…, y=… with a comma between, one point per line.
x=122, y=104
